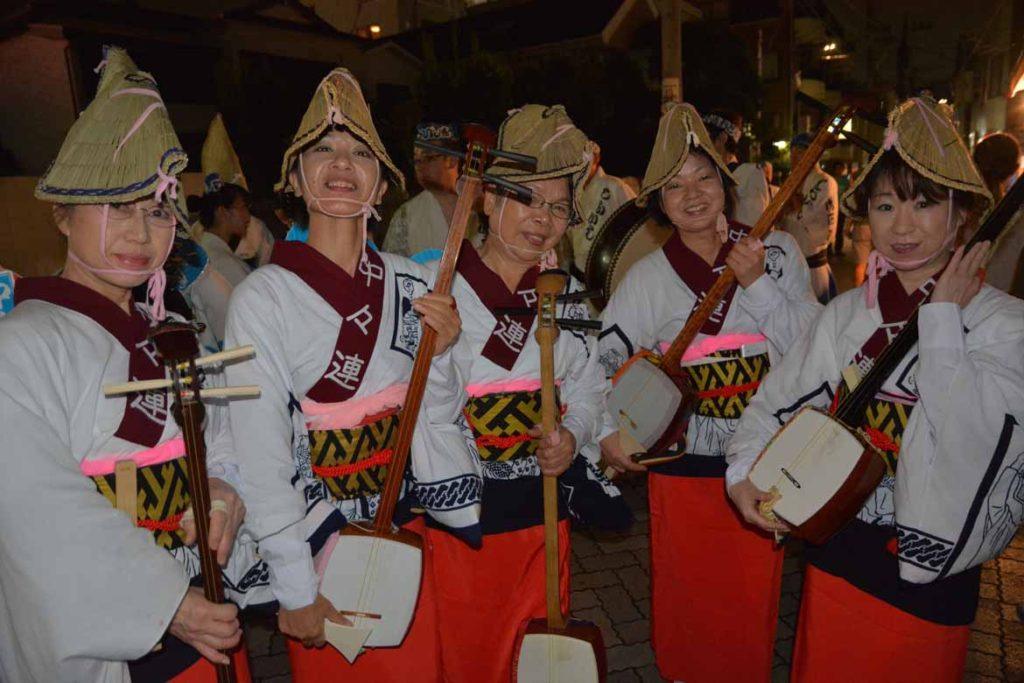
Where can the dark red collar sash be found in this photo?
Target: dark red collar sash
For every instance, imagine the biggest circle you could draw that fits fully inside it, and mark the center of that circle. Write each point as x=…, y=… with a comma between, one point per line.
x=700, y=277
x=145, y=414
x=510, y=333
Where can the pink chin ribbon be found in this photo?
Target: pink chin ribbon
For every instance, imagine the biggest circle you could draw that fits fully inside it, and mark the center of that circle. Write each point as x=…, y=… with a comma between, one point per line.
x=548, y=258
x=366, y=209
x=167, y=186
x=879, y=266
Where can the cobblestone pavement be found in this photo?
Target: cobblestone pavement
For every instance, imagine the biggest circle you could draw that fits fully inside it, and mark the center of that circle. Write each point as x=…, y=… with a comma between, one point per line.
x=610, y=580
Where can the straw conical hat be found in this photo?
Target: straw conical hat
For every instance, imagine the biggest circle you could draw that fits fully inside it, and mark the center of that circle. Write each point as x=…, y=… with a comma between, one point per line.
x=679, y=130
x=923, y=134
x=219, y=161
x=122, y=147
x=549, y=135
x=338, y=101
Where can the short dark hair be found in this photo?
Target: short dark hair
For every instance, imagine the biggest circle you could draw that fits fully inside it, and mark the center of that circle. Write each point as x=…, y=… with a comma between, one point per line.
x=997, y=156
x=207, y=205
x=908, y=184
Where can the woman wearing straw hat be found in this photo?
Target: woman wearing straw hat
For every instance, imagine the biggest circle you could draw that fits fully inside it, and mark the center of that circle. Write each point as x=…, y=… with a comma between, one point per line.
x=336, y=326
x=892, y=595
x=715, y=585
x=85, y=594
x=488, y=592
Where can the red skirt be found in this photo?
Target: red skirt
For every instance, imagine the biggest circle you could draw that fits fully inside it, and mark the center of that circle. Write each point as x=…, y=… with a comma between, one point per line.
x=204, y=671
x=715, y=583
x=486, y=594
x=416, y=659
x=845, y=634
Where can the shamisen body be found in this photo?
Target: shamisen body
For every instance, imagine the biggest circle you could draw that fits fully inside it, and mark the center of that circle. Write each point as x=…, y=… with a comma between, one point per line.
x=892, y=595
x=705, y=566
x=88, y=592
x=336, y=326
x=489, y=591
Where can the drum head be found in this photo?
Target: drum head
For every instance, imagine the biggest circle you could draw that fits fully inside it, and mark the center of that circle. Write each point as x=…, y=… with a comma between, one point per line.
x=627, y=236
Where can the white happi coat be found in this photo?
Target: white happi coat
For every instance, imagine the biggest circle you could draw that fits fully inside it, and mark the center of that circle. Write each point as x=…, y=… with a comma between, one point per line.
x=82, y=589
x=577, y=372
x=294, y=330
x=958, y=492
x=602, y=196
x=418, y=224
x=752, y=193
x=223, y=259
x=653, y=302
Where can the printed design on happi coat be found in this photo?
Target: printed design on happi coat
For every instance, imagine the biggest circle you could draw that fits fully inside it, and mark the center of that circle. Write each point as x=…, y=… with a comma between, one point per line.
x=725, y=388
x=353, y=463
x=500, y=422
x=884, y=422
x=162, y=495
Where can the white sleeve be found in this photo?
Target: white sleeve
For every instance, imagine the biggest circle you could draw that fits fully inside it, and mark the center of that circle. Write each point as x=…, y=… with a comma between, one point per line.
x=958, y=487
x=783, y=307
x=627, y=323
x=804, y=377
x=80, y=579
x=396, y=241
x=262, y=430
x=210, y=295
x=962, y=387
x=752, y=196
x=582, y=391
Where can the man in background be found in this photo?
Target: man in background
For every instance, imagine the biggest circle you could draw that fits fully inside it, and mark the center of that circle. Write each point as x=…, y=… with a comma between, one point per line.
x=602, y=196
x=419, y=226
x=751, y=195
x=812, y=219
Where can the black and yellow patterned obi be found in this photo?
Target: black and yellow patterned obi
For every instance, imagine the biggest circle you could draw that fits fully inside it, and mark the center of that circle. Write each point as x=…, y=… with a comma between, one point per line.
x=725, y=388
x=353, y=463
x=162, y=499
x=883, y=425
x=500, y=422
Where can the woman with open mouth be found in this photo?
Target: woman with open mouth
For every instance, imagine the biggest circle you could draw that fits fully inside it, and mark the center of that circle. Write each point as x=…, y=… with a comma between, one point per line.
x=892, y=595
x=336, y=326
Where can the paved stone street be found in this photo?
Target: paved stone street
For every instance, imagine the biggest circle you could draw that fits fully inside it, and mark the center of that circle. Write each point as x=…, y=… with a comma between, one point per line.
x=611, y=588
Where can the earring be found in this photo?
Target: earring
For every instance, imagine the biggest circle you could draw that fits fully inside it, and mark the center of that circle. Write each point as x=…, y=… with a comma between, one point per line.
x=722, y=228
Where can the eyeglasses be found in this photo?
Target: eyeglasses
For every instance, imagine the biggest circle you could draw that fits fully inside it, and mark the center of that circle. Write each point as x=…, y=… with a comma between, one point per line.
x=559, y=210
x=155, y=216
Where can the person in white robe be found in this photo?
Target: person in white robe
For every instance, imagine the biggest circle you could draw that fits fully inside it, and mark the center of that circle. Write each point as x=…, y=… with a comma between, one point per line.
x=945, y=421
x=603, y=194
x=813, y=220
x=699, y=558
x=750, y=192
x=90, y=591
x=486, y=593
x=336, y=327
x=419, y=227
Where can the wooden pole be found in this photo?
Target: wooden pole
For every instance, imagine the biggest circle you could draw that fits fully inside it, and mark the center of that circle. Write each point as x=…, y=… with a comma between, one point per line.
x=787, y=72
x=671, y=52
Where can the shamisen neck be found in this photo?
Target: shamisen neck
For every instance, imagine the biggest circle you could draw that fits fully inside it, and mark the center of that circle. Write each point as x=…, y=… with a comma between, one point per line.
x=77, y=273
x=338, y=239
